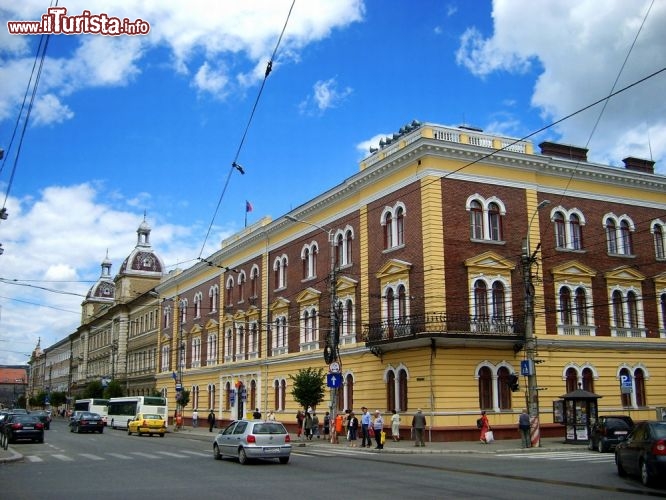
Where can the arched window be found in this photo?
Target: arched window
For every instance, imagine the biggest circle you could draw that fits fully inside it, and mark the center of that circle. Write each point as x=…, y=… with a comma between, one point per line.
x=227, y=396
x=588, y=380
x=639, y=388
x=254, y=282
x=349, y=237
x=625, y=234
x=625, y=397
x=618, y=314
x=560, y=230
x=403, y=400
x=390, y=306
x=388, y=231
x=632, y=310
x=498, y=301
x=581, y=307
x=565, y=305
x=283, y=394
x=480, y=300
x=390, y=391
x=276, y=394
x=495, y=222
x=400, y=226
x=658, y=232
x=476, y=220
x=503, y=389
x=611, y=236
x=349, y=386
x=339, y=250
x=572, y=379
x=485, y=388
x=576, y=232
x=402, y=303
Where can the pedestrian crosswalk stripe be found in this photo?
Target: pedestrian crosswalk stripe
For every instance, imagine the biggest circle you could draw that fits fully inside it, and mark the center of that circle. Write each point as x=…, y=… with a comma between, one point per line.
x=64, y=458
x=197, y=453
x=34, y=458
x=120, y=456
x=145, y=455
x=171, y=454
x=563, y=455
x=90, y=457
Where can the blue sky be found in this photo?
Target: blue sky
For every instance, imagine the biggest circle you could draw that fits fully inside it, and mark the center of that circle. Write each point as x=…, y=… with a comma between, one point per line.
x=152, y=123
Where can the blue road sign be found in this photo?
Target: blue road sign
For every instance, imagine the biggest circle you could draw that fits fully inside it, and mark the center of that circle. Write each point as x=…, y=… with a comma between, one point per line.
x=333, y=380
x=527, y=367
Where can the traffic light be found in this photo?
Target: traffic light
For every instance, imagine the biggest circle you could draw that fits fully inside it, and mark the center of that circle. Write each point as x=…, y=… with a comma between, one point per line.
x=513, y=382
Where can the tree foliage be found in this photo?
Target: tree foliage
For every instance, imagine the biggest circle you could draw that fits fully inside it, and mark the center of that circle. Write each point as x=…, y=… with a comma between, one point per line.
x=114, y=390
x=184, y=398
x=308, y=386
x=94, y=389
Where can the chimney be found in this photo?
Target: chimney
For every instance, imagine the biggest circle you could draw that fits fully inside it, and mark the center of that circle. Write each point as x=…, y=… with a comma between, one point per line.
x=563, y=151
x=639, y=165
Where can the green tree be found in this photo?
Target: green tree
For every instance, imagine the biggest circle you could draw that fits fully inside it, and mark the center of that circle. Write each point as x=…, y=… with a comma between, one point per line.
x=57, y=398
x=184, y=398
x=308, y=386
x=114, y=390
x=94, y=389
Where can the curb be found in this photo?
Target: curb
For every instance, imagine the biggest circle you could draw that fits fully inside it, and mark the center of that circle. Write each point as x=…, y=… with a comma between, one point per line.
x=15, y=457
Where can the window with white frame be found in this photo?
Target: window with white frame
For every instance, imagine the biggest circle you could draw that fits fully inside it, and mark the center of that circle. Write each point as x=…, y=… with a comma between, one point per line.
x=491, y=306
x=309, y=260
x=240, y=341
x=493, y=386
x=211, y=349
x=279, y=394
x=343, y=247
x=183, y=311
x=657, y=228
x=196, y=352
x=619, y=231
x=167, y=316
x=280, y=272
x=627, y=313
x=198, y=298
x=213, y=295
x=166, y=358
x=637, y=398
x=568, y=228
x=309, y=328
x=241, y=286
x=229, y=292
x=395, y=308
x=486, y=218
x=346, y=316
x=280, y=335
x=254, y=281
x=574, y=305
x=396, y=388
x=253, y=340
x=393, y=224
x=228, y=345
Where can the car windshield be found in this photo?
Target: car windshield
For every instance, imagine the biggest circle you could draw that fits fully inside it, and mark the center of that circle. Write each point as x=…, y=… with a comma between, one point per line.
x=89, y=416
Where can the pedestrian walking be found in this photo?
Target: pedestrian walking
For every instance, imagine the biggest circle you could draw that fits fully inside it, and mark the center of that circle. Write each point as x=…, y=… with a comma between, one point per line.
x=378, y=426
x=307, y=426
x=299, y=422
x=211, y=421
x=419, y=425
x=485, y=427
x=353, y=429
x=315, y=425
x=256, y=414
x=395, y=426
x=195, y=418
x=327, y=425
x=366, y=419
x=524, y=428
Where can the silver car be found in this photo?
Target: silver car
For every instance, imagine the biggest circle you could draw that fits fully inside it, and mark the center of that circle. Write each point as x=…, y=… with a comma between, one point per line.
x=249, y=439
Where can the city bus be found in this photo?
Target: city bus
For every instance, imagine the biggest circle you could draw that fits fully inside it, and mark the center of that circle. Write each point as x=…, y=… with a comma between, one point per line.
x=93, y=405
x=122, y=410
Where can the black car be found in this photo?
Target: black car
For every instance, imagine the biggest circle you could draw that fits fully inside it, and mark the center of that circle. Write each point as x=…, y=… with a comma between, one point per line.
x=608, y=431
x=85, y=421
x=19, y=426
x=44, y=417
x=643, y=453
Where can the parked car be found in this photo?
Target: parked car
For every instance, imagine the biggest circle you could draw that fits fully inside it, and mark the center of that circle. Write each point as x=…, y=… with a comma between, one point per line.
x=250, y=439
x=85, y=421
x=643, y=453
x=44, y=417
x=608, y=431
x=19, y=426
x=147, y=423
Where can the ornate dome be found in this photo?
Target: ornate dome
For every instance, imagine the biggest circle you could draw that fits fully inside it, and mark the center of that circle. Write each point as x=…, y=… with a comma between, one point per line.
x=104, y=289
x=143, y=261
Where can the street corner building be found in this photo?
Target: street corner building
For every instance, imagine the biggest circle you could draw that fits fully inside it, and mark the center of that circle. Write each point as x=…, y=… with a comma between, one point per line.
x=443, y=275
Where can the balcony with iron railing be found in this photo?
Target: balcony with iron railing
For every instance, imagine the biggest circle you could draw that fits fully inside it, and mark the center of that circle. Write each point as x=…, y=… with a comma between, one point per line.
x=421, y=328
x=628, y=332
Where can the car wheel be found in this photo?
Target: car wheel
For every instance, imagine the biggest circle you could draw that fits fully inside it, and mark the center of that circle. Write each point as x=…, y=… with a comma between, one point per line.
x=620, y=470
x=71, y=428
x=129, y=432
x=101, y=430
x=600, y=446
x=646, y=477
x=161, y=434
x=216, y=452
x=242, y=456
x=284, y=460
x=78, y=430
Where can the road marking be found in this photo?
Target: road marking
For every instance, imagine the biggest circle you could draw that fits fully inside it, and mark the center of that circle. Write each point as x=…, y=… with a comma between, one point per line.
x=145, y=455
x=91, y=457
x=121, y=456
x=171, y=454
x=197, y=453
x=34, y=458
x=64, y=458
x=571, y=456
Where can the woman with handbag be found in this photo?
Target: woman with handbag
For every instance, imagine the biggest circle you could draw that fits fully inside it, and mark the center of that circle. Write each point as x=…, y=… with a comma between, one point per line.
x=485, y=427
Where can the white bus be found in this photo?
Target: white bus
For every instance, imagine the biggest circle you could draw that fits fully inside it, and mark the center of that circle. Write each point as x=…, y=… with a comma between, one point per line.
x=122, y=410
x=93, y=405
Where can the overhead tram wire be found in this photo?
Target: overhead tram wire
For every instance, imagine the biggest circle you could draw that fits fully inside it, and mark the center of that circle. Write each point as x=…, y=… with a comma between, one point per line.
x=234, y=163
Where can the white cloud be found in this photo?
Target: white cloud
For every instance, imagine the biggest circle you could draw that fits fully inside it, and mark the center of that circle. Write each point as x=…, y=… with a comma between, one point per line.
x=325, y=95
x=49, y=109
x=212, y=81
x=578, y=49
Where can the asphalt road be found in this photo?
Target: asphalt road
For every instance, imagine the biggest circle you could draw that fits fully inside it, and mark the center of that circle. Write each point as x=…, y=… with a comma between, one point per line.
x=116, y=466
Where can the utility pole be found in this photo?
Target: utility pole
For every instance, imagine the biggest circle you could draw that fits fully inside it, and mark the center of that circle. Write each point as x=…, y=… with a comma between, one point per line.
x=528, y=258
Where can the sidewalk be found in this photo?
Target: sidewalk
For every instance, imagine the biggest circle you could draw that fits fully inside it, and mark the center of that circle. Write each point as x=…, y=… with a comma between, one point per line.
x=405, y=446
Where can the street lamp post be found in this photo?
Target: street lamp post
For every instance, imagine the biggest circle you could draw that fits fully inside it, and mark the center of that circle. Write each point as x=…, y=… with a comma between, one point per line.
x=332, y=341
x=528, y=259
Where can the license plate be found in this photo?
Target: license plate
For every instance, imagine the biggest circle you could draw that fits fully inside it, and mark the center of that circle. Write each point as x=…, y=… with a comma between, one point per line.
x=28, y=427
x=271, y=450
x=620, y=433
